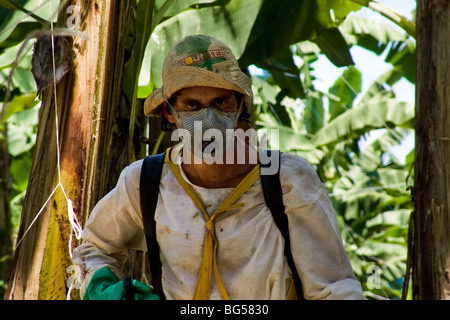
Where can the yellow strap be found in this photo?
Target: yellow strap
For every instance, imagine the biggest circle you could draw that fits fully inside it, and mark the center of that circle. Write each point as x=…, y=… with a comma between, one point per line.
x=209, y=263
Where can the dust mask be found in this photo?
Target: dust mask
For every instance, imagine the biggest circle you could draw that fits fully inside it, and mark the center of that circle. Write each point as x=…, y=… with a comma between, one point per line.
x=207, y=124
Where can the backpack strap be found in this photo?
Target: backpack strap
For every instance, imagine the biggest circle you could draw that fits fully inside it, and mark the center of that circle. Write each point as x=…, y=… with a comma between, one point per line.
x=149, y=191
x=273, y=195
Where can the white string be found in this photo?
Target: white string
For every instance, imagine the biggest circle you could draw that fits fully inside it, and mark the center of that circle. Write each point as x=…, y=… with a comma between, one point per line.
x=72, y=217
x=75, y=226
x=37, y=216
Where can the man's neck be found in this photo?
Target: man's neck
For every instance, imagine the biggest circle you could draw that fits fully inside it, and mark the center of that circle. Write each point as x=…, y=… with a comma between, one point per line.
x=226, y=174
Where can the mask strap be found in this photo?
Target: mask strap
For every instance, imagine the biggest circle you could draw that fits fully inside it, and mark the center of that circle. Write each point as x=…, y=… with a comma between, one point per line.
x=238, y=113
x=172, y=109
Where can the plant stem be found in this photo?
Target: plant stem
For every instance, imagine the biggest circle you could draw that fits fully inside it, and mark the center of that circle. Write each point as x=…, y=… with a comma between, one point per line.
x=401, y=21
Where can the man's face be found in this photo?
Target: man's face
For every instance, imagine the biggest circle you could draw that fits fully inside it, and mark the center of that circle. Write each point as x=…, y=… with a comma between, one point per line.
x=204, y=116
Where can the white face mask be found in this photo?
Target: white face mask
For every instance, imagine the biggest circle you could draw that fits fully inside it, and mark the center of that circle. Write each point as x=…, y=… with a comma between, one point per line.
x=211, y=121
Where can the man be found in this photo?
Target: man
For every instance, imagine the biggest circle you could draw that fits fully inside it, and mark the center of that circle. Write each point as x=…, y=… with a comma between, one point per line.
x=216, y=235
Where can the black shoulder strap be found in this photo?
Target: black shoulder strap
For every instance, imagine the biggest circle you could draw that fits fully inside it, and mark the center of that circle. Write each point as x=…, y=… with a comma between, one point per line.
x=273, y=195
x=149, y=191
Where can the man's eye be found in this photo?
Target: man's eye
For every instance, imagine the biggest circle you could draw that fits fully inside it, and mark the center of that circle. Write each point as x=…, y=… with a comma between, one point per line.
x=191, y=105
x=220, y=102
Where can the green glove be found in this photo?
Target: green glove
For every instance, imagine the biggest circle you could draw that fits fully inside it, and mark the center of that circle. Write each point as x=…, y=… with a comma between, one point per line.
x=105, y=285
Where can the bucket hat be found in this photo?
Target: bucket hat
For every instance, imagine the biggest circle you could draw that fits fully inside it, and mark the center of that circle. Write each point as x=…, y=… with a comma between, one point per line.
x=198, y=60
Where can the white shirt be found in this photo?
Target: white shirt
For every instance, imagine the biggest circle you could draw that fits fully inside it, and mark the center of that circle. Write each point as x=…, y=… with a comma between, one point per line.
x=250, y=253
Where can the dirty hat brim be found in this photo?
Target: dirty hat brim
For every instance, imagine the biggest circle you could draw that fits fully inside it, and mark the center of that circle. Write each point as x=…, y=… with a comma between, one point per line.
x=185, y=77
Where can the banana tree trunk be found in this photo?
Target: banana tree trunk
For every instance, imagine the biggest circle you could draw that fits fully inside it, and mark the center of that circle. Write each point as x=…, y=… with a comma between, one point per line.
x=431, y=261
x=90, y=140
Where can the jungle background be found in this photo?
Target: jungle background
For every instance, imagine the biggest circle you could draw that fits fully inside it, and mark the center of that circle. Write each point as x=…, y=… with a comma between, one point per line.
x=349, y=130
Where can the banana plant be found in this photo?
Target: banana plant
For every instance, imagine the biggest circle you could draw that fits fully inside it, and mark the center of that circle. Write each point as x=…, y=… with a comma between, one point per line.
x=368, y=187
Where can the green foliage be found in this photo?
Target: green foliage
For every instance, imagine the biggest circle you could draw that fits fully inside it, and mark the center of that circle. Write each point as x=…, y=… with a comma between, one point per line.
x=20, y=116
x=18, y=120
x=378, y=37
x=368, y=186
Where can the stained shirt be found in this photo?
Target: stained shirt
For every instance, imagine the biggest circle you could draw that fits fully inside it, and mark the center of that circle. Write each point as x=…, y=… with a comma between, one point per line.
x=250, y=254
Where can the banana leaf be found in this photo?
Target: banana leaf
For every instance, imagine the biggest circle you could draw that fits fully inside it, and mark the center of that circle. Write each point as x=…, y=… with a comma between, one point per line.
x=378, y=37
x=16, y=5
x=17, y=34
x=379, y=112
x=285, y=22
x=181, y=5
x=346, y=88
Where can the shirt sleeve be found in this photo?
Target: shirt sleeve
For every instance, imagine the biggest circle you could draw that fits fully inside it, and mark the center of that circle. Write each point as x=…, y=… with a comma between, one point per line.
x=114, y=227
x=316, y=244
